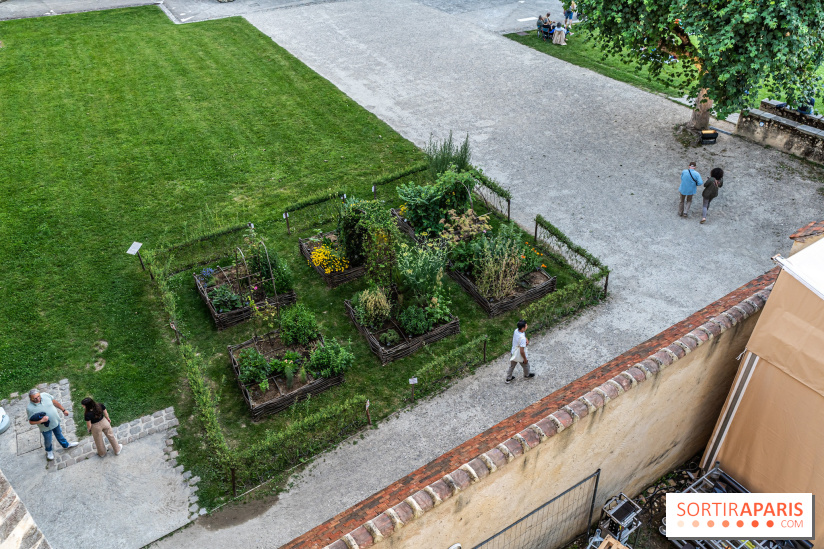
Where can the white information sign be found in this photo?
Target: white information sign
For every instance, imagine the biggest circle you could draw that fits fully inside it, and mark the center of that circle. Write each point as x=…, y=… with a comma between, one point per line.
x=133, y=249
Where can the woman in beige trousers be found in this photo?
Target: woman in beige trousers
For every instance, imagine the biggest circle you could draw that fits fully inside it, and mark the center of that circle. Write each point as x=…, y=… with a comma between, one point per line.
x=99, y=423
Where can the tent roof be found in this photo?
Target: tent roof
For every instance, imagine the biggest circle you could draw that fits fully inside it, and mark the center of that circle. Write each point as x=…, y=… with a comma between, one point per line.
x=807, y=266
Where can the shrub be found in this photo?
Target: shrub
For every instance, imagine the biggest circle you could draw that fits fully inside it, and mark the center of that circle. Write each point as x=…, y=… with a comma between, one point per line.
x=414, y=321
x=351, y=232
x=372, y=307
x=368, y=233
x=497, y=260
x=437, y=310
x=389, y=338
x=427, y=205
x=445, y=154
x=331, y=359
x=224, y=299
x=421, y=268
x=298, y=325
x=253, y=366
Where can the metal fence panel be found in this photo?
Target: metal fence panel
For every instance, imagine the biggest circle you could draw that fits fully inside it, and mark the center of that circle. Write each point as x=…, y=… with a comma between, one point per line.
x=554, y=523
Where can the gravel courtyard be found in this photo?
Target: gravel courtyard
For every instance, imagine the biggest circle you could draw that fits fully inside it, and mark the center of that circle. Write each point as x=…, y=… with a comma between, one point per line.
x=596, y=157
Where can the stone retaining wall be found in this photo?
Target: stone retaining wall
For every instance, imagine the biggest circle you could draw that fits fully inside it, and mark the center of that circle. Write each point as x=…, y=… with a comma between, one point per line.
x=771, y=106
x=783, y=134
x=17, y=528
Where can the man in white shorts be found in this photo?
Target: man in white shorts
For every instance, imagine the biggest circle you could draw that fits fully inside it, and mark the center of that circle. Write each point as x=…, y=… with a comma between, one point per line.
x=519, y=356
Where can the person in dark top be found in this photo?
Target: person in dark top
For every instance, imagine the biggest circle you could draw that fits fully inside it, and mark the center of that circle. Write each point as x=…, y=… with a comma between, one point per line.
x=99, y=423
x=711, y=186
x=805, y=106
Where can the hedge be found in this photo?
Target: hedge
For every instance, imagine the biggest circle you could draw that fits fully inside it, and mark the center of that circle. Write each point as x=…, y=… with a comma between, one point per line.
x=491, y=185
x=447, y=365
x=390, y=178
x=280, y=450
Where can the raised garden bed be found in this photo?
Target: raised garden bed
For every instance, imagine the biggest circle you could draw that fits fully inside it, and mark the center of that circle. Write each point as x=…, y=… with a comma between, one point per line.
x=404, y=225
x=408, y=345
x=333, y=279
x=236, y=316
x=537, y=284
x=279, y=396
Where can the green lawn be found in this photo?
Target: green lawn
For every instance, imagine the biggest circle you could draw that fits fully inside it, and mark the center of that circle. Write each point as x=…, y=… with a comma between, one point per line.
x=120, y=126
x=583, y=51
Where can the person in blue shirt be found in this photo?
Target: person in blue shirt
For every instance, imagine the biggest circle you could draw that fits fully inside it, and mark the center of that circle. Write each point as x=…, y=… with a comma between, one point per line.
x=690, y=181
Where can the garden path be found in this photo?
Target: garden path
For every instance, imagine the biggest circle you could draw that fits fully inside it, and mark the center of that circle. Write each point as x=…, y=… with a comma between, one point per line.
x=595, y=156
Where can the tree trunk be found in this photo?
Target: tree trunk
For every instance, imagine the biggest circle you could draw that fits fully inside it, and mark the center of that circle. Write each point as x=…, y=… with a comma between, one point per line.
x=701, y=113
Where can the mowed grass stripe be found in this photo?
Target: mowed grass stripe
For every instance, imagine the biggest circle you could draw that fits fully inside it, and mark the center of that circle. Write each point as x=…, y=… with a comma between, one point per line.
x=119, y=126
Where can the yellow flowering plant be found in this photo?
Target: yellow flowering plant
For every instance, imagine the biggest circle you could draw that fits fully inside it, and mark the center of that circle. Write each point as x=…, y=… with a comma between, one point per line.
x=328, y=258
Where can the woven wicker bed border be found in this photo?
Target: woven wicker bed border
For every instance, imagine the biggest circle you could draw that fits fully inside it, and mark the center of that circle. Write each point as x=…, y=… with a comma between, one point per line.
x=278, y=404
x=236, y=316
x=409, y=346
x=506, y=305
x=333, y=280
x=404, y=225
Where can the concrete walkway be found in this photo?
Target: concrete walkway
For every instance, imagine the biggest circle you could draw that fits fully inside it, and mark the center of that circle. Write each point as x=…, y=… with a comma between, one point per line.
x=595, y=156
x=80, y=500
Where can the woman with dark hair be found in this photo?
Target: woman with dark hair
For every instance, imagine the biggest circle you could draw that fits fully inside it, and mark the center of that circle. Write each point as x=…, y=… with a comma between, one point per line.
x=99, y=423
x=711, y=186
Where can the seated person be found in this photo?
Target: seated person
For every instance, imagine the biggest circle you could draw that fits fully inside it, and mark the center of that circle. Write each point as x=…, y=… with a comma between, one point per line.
x=559, y=35
x=805, y=106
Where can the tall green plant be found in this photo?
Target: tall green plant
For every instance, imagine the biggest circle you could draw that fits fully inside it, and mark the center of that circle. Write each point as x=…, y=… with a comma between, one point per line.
x=368, y=232
x=499, y=262
x=298, y=325
x=441, y=155
x=427, y=206
x=421, y=268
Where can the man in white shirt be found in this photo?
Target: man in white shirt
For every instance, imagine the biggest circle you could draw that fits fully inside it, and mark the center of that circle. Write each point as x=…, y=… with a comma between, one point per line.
x=44, y=408
x=519, y=355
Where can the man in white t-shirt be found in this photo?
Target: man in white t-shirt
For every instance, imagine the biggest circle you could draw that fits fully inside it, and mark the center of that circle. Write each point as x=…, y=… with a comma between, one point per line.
x=519, y=355
x=42, y=411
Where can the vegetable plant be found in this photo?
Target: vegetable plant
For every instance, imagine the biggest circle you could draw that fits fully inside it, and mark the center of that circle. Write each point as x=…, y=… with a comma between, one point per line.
x=298, y=325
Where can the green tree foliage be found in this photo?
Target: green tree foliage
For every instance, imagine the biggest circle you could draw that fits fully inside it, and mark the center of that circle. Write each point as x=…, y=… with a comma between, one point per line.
x=727, y=50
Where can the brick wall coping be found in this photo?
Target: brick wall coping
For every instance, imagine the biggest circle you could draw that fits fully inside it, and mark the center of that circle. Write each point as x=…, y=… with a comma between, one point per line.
x=811, y=229
x=380, y=515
